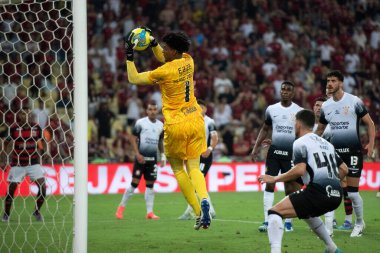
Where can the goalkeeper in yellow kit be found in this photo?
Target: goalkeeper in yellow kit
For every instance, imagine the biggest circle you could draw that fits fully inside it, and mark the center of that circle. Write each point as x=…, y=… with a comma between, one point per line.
x=184, y=135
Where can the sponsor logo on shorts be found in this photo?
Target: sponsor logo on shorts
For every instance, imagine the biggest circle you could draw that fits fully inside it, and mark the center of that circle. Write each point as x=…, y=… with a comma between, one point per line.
x=280, y=152
x=331, y=192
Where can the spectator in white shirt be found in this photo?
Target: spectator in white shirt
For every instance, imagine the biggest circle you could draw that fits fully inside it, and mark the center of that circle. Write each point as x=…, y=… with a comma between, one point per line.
x=359, y=38
x=349, y=83
x=269, y=67
x=269, y=35
x=247, y=27
x=326, y=51
x=223, y=85
x=41, y=114
x=352, y=61
x=222, y=113
x=375, y=37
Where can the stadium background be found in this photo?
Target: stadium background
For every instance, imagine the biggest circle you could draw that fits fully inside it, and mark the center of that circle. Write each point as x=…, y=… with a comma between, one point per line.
x=242, y=50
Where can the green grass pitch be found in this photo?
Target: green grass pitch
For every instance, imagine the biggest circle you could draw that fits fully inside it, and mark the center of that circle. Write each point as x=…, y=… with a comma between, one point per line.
x=234, y=229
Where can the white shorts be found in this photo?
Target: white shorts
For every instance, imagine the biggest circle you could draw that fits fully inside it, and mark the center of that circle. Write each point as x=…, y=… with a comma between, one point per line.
x=17, y=173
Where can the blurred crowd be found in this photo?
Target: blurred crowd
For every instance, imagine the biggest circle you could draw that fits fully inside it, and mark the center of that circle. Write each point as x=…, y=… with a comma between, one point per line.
x=243, y=50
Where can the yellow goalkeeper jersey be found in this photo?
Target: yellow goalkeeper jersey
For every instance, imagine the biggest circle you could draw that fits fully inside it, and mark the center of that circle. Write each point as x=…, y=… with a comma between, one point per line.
x=175, y=79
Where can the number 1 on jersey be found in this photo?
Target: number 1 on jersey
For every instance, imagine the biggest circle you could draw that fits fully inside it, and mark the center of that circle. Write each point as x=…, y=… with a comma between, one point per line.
x=187, y=91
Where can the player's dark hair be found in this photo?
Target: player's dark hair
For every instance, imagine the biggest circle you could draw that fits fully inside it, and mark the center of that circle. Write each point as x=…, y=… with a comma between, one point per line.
x=178, y=41
x=201, y=102
x=306, y=117
x=150, y=102
x=321, y=99
x=337, y=74
x=288, y=83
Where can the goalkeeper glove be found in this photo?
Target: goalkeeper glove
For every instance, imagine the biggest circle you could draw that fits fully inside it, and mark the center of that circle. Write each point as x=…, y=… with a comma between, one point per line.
x=129, y=46
x=153, y=41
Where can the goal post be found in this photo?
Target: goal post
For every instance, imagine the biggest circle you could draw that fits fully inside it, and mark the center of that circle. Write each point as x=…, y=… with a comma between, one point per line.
x=80, y=132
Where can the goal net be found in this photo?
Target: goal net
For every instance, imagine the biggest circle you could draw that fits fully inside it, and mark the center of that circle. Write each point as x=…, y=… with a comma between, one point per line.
x=36, y=65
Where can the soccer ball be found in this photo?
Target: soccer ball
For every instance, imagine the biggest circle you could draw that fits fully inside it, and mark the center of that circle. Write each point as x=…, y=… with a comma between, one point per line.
x=143, y=38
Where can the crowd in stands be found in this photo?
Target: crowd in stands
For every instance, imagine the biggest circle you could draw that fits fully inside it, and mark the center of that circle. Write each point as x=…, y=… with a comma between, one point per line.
x=242, y=50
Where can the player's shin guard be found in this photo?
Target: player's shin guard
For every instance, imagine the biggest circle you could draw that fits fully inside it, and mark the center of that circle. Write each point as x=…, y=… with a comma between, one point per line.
x=197, y=178
x=149, y=199
x=319, y=228
x=185, y=184
x=329, y=218
x=268, y=203
x=357, y=203
x=275, y=231
x=127, y=194
x=347, y=205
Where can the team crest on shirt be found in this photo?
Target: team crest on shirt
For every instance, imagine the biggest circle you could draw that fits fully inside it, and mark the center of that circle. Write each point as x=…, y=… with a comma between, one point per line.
x=345, y=110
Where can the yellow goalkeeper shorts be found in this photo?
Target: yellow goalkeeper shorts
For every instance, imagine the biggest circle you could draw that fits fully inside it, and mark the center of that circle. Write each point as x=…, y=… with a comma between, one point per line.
x=185, y=140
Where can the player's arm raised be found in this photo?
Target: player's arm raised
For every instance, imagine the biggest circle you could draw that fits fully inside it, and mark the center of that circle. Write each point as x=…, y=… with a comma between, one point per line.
x=371, y=135
x=157, y=49
x=133, y=75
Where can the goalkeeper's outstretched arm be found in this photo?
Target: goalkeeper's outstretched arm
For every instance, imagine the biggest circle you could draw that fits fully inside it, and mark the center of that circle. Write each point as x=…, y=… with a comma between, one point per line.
x=135, y=77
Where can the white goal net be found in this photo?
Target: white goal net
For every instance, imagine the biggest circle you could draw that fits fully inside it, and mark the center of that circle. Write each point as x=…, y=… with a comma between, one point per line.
x=36, y=126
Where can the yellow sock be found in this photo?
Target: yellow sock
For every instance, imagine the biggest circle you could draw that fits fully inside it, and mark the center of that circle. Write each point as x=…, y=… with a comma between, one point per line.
x=197, y=178
x=185, y=184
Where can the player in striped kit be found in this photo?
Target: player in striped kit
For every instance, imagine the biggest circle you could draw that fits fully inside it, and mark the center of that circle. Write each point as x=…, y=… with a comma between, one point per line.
x=279, y=118
x=330, y=221
x=24, y=144
x=322, y=171
x=343, y=112
x=146, y=141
